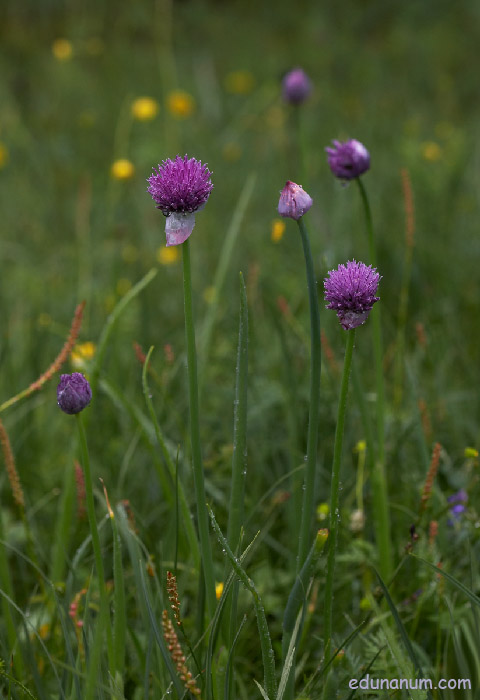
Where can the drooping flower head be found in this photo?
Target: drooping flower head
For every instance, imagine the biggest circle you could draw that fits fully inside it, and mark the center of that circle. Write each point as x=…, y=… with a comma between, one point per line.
x=348, y=160
x=351, y=291
x=180, y=187
x=294, y=201
x=296, y=86
x=73, y=393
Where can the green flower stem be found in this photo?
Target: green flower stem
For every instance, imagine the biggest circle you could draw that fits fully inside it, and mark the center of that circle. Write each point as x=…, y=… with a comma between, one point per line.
x=239, y=459
x=268, y=654
x=202, y=514
x=379, y=482
x=104, y=604
x=334, y=515
x=305, y=539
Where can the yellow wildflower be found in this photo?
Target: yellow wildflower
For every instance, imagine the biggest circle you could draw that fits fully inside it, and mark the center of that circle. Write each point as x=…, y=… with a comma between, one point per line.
x=168, y=255
x=45, y=320
x=239, y=82
x=62, y=49
x=323, y=509
x=209, y=294
x=94, y=46
x=129, y=253
x=361, y=446
x=144, y=109
x=3, y=155
x=82, y=353
x=122, y=169
x=123, y=286
x=470, y=453
x=180, y=104
x=231, y=151
x=218, y=590
x=110, y=303
x=431, y=151
x=278, y=229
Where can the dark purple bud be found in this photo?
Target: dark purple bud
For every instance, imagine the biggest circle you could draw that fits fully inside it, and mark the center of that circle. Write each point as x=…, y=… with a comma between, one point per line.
x=73, y=393
x=348, y=160
x=296, y=86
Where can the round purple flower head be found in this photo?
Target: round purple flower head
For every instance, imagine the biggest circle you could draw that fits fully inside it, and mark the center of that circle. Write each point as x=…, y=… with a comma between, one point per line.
x=296, y=86
x=180, y=188
x=348, y=160
x=351, y=292
x=73, y=393
x=294, y=201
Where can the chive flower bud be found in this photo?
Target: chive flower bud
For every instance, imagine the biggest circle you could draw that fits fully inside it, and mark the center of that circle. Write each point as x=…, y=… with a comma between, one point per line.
x=348, y=160
x=73, y=393
x=351, y=292
x=296, y=86
x=294, y=201
x=180, y=188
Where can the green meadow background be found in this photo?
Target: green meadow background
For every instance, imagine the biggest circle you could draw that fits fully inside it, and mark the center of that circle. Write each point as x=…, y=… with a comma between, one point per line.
x=401, y=77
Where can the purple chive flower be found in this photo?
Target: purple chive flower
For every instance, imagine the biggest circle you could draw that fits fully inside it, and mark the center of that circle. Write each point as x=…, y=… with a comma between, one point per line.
x=180, y=188
x=296, y=86
x=351, y=292
x=348, y=160
x=73, y=393
x=294, y=201
x=457, y=507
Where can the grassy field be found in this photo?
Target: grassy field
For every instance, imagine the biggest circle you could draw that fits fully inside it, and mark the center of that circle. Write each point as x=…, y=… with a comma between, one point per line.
x=76, y=147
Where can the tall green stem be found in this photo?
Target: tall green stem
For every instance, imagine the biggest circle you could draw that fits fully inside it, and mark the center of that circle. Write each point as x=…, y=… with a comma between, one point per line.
x=379, y=483
x=334, y=492
x=305, y=540
x=104, y=605
x=202, y=514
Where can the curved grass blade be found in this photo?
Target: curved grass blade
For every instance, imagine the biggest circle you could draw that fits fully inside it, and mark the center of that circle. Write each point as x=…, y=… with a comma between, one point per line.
x=268, y=655
x=455, y=582
x=221, y=272
x=110, y=323
x=187, y=519
x=401, y=629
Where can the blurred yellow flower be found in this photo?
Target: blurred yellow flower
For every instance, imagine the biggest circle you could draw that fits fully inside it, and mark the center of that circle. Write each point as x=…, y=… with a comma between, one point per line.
x=110, y=303
x=122, y=169
x=470, y=452
x=231, y=151
x=144, y=109
x=275, y=117
x=62, y=49
x=168, y=255
x=44, y=320
x=323, y=510
x=123, y=286
x=82, y=353
x=129, y=253
x=3, y=155
x=180, y=104
x=239, y=82
x=278, y=229
x=361, y=446
x=218, y=590
x=94, y=46
x=431, y=151
x=210, y=294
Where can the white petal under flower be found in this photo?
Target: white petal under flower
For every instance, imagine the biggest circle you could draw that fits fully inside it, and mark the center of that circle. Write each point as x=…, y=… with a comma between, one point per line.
x=178, y=227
